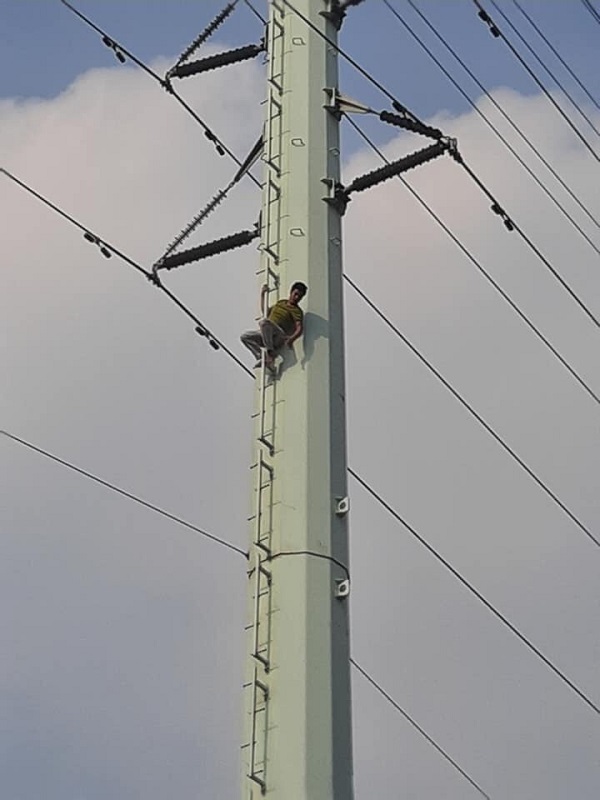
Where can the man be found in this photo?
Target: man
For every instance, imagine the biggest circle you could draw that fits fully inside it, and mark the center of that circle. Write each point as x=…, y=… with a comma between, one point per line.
x=282, y=325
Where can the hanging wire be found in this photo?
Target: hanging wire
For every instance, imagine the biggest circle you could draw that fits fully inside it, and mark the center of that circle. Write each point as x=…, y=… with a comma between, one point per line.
x=475, y=592
x=511, y=224
x=544, y=66
x=491, y=125
x=497, y=33
x=219, y=145
x=549, y=44
x=417, y=727
x=483, y=271
x=592, y=10
x=124, y=493
x=201, y=329
x=255, y=12
x=507, y=448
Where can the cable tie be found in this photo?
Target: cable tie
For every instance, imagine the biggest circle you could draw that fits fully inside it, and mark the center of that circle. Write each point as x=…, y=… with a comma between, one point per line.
x=114, y=47
x=483, y=15
x=89, y=237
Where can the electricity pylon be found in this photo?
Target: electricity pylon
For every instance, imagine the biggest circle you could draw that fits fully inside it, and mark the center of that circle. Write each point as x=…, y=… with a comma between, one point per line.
x=297, y=743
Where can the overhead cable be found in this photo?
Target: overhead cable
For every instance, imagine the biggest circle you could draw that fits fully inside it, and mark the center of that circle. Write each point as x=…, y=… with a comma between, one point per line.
x=493, y=101
x=497, y=33
x=201, y=329
x=512, y=225
x=592, y=10
x=546, y=69
x=491, y=125
x=476, y=415
x=125, y=493
x=255, y=12
x=483, y=271
x=218, y=144
x=555, y=52
x=417, y=727
x=395, y=102
x=527, y=642
x=224, y=543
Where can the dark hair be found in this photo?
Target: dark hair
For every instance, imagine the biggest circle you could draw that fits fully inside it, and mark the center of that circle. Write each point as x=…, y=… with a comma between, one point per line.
x=300, y=286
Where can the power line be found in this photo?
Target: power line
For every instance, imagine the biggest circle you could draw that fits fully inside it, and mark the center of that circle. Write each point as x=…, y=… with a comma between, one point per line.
x=496, y=32
x=378, y=85
x=549, y=44
x=499, y=108
x=108, y=249
x=481, y=269
x=234, y=548
x=511, y=224
x=415, y=725
x=544, y=66
x=491, y=125
x=249, y=372
x=475, y=592
x=255, y=12
x=475, y=414
x=125, y=493
x=220, y=146
x=592, y=10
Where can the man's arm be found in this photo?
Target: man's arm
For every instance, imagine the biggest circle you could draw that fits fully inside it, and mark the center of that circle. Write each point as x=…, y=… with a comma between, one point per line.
x=296, y=334
x=263, y=295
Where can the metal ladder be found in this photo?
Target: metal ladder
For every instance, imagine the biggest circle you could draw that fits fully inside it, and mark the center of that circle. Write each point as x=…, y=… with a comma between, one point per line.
x=259, y=572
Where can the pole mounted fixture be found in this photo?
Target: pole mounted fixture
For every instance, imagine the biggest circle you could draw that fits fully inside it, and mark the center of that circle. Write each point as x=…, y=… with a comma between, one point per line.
x=214, y=62
x=206, y=250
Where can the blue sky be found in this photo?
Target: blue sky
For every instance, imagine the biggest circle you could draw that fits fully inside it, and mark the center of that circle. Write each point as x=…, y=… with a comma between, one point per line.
x=44, y=47
x=123, y=633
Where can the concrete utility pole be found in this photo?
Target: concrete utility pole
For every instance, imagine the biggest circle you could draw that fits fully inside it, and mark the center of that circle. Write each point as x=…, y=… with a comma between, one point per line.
x=297, y=743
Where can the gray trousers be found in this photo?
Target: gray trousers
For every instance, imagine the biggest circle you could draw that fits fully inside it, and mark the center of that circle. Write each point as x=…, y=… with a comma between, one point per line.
x=269, y=336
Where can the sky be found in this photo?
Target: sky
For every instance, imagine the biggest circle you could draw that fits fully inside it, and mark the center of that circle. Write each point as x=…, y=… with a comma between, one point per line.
x=122, y=632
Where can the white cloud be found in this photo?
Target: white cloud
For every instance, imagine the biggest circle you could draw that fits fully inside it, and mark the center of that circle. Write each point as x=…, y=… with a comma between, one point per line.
x=125, y=633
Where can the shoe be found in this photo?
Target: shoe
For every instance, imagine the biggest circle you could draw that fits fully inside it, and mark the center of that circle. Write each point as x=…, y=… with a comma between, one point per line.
x=258, y=364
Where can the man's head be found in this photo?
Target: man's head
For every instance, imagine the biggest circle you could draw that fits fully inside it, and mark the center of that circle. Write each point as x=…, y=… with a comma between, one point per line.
x=297, y=292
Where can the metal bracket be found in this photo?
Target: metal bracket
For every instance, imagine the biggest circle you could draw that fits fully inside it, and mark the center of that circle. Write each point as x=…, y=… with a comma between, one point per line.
x=342, y=588
x=342, y=506
x=339, y=104
x=337, y=195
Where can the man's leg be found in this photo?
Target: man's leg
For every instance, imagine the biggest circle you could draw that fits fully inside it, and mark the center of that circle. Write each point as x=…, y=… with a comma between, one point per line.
x=253, y=340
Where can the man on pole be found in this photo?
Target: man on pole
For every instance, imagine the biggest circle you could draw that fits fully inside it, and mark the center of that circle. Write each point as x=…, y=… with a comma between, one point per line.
x=282, y=324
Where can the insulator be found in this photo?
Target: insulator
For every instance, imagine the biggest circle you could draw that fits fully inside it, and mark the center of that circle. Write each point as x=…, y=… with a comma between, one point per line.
x=410, y=125
x=191, y=227
x=206, y=33
x=209, y=249
x=396, y=167
x=219, y=60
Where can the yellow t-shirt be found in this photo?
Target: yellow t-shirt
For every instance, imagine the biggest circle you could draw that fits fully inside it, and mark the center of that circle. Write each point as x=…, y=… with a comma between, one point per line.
x=285, y=316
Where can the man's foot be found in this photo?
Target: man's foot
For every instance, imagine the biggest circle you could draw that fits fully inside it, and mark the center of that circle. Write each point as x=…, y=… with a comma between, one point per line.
x=258, y=364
